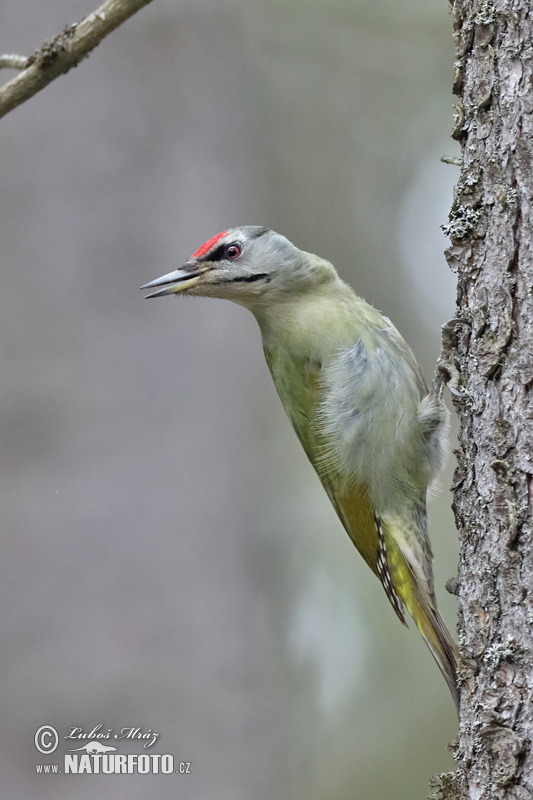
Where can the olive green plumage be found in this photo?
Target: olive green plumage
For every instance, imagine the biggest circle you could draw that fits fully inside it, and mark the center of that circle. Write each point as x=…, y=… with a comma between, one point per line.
x=356, y=398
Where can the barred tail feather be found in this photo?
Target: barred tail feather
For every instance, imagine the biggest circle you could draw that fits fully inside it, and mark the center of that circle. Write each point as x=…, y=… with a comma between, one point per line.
x=382, y=570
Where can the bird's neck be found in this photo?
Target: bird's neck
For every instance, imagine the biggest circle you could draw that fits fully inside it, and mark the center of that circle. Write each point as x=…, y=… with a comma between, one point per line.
x=311, y=324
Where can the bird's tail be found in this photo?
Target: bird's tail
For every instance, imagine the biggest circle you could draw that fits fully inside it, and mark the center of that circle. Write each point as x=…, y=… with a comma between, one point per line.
x=437, y=637
x=417, y=597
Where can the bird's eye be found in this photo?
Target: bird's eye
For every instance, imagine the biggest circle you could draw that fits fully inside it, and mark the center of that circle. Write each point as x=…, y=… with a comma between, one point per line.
x=233, y=251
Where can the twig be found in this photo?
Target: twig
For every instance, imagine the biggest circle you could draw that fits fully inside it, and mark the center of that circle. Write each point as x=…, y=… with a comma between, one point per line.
x=456, y=162
x=13, y=62
x=65, y=51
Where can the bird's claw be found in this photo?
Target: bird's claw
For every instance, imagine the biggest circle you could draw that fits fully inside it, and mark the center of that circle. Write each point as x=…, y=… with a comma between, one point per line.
x=446, y=372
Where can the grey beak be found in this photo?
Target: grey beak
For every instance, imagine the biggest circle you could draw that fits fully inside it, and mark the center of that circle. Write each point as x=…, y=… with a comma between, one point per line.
x=175, y=282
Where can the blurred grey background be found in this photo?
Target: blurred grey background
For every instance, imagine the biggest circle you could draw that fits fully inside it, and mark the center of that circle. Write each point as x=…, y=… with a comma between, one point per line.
x=169, y=559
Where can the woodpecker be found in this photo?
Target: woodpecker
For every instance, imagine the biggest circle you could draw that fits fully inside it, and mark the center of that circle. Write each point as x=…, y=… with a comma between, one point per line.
x=356, y=398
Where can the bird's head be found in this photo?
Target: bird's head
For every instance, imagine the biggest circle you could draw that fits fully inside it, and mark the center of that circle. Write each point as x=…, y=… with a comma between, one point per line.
x=249, y=265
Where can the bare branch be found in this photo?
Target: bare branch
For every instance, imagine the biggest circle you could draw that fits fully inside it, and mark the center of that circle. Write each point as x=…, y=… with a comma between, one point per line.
x=66, y=50
x=13, y=62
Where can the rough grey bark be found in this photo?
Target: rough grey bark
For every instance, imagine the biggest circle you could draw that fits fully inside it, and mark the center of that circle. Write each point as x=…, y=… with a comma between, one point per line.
x=491, y=252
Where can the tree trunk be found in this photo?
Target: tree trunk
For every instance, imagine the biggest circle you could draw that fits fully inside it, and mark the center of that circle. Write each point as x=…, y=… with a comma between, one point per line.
x=492, y=253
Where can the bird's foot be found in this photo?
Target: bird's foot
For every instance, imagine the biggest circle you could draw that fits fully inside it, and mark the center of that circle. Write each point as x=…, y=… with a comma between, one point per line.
x=446, y=371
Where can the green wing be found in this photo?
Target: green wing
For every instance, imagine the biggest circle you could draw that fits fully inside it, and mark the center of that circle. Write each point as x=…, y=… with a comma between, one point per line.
x=298, y=383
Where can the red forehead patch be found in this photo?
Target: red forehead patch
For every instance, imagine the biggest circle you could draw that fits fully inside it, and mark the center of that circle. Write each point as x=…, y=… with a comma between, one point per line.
x=208, y=245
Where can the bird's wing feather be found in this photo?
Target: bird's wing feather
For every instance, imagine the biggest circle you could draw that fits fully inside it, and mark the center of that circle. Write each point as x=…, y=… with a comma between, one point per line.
x=298, y=383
